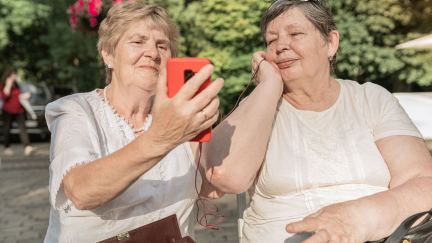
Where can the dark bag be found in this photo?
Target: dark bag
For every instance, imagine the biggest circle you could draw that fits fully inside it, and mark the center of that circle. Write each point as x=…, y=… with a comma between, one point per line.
x=165, y=230
x=405, y=233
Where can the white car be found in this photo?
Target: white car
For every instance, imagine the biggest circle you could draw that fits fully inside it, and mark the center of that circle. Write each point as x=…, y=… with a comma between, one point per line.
x=418, y=106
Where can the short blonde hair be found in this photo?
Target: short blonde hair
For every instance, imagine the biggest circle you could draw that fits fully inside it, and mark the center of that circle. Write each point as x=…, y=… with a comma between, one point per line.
x=121, y=15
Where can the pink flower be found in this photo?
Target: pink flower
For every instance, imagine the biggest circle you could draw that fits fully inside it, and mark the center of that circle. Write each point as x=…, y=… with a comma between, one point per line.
x=92, y=11
x=79, y=7
x=73, y=21
x=72, y=9
x=98, y=4
x=114, y=2
x=93, y=22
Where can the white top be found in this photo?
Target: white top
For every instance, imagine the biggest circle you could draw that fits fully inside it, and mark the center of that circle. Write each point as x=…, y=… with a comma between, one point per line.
x=315, y=159
x=84, y=128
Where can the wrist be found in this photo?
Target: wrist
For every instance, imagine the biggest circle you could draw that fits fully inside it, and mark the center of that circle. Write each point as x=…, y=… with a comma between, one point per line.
x=273, y=84
x=158, y=144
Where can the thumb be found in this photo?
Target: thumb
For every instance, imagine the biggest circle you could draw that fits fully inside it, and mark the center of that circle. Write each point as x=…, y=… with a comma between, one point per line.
x=161, y=86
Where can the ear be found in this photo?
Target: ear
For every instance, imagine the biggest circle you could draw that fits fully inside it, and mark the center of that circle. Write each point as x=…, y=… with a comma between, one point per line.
x=108, y=59
x=333, y=43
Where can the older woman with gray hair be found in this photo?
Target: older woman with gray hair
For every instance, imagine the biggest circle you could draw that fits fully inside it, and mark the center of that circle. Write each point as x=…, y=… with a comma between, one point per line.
x=343, y=160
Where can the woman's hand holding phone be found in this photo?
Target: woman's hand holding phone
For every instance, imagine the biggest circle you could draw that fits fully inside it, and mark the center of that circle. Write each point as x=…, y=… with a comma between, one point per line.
x=186, y=114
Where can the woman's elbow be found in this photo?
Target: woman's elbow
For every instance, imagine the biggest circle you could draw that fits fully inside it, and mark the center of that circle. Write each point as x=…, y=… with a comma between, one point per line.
x=81, y=204
x=77, y=196
x=231, y=183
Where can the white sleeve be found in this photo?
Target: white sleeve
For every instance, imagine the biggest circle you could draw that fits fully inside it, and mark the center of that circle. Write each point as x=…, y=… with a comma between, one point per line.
x=388, y=118
x=72, y=143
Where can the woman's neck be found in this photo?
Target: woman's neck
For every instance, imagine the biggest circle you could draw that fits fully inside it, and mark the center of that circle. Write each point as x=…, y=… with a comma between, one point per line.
x=312, y=94
x=132, y=104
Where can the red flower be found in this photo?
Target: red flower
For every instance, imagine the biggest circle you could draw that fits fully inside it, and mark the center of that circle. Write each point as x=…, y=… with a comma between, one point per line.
x=93, y=22
x=92, y=10
x=116, y=1
x=94, y=7
x=73, y=21
x=98, y=4
x=79, y=7
x=72, y=10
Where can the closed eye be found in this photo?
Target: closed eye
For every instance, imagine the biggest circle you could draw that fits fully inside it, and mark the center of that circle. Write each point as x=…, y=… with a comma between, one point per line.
x=137, y=42
x=296, y=33
x=163, y=47
x=269, y=42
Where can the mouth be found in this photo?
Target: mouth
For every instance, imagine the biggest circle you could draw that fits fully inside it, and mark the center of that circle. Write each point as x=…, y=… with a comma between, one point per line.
x=149, y=67
x=286, y=63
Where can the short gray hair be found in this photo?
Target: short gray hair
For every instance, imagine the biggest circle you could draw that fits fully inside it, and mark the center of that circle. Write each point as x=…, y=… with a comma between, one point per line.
x=316, y=11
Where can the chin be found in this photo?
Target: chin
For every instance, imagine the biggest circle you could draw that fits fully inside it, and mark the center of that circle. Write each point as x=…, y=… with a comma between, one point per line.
x=144, y=83
x=147, y=84
x=149, y=73
x=290, y=75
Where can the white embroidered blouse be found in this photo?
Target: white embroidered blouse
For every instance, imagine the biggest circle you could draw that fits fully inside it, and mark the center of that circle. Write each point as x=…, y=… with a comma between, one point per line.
x=84, y=128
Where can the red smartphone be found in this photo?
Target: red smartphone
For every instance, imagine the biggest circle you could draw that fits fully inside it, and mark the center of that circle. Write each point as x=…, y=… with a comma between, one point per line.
x=179, y=71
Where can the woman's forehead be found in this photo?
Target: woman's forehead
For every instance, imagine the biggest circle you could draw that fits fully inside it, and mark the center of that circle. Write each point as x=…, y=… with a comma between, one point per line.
x=144, y=28
x=291, y=18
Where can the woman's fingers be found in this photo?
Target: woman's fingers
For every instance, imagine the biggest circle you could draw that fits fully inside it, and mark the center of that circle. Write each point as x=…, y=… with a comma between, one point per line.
x=184, y=116
x=212, y=108
x=209, y=122
x=161, y=86
x=203, y=98
x=191, y=87
x=306, y=225
x=208, y=115
x=257, y=58
x=321, y=236
x=334, y=223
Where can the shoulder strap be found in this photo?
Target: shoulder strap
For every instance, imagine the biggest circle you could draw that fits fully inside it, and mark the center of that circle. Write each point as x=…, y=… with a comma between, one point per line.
x=405, y=226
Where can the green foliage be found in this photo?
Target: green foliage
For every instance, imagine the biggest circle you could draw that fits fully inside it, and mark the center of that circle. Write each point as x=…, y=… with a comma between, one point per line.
x=228, y=33
x=71, y=56
x=17, y=16
x=20, y=24
x=369, y=32
x=36, y=36
x=39, y=41
x=73, y=62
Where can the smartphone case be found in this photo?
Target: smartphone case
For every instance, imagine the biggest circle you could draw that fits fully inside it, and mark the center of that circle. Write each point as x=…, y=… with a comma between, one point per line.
x=179, y=70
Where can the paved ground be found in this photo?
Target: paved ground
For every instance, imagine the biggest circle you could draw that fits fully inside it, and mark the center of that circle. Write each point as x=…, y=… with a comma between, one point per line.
x=24, y=205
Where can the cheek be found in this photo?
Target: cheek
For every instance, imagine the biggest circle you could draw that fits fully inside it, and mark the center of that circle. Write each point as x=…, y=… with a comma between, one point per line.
x=270, y=54
x=300, y=49
x=126, y=59
x=130, y=55
x=164, y=59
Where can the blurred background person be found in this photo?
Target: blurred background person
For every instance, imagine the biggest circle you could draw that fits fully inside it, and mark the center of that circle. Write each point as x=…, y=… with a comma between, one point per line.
x=13, y=110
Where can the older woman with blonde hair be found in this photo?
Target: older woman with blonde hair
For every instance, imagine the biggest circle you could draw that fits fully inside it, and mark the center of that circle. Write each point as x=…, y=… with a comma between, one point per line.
x=119, y=155
x=344, y=163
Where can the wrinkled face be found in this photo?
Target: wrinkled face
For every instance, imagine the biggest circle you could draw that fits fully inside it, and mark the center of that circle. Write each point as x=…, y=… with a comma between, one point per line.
x=297, y=47
x=140, y=54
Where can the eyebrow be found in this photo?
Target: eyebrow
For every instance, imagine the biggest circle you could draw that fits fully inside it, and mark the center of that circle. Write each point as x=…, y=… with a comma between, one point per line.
x=144, y=37
x=290, y=26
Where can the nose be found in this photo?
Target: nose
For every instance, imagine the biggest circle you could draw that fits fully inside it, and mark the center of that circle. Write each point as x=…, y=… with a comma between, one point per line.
x=282, y=45
x=152, y=52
